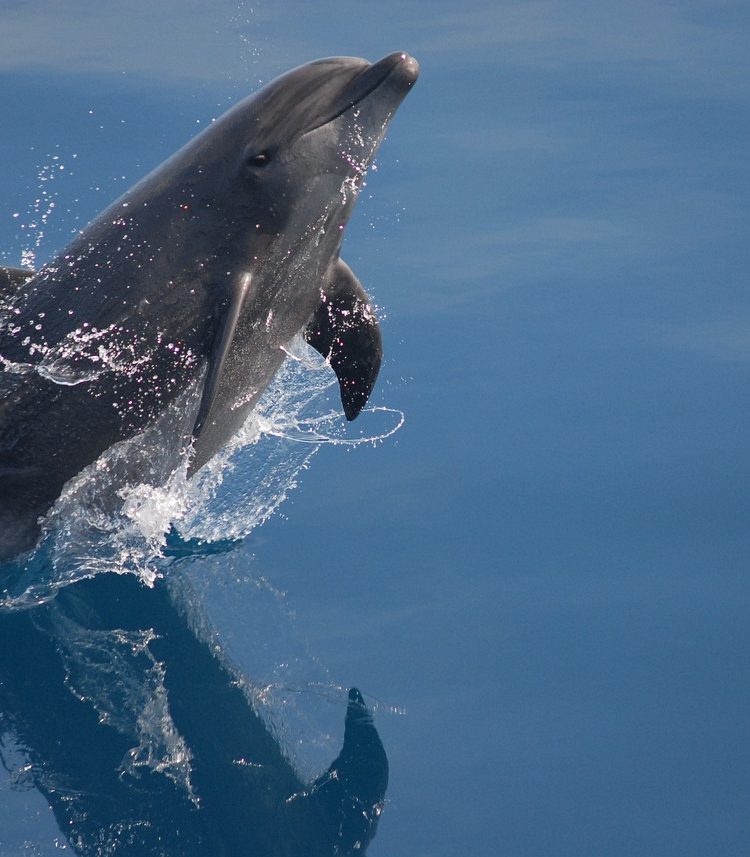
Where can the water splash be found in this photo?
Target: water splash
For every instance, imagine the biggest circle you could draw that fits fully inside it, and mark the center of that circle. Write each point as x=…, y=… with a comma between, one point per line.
x=116, y=515
x=33, y=225
x=115, y=672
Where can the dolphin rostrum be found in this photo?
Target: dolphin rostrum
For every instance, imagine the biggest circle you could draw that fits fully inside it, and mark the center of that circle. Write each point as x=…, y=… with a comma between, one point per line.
x=195, y=281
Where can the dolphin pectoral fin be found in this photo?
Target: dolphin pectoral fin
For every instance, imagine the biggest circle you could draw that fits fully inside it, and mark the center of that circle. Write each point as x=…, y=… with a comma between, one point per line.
x=345, y=330
x=350, y=793
x=342, y=806
x=222, y=343
x=361, y=768
x=11, y=280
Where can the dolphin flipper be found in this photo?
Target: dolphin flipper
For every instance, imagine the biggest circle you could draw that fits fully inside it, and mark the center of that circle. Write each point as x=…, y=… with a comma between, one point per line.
x=222, y=343
x=361, y=768
x=11, y=279
x=350, y=793
x=344, y=804
x=345, y=330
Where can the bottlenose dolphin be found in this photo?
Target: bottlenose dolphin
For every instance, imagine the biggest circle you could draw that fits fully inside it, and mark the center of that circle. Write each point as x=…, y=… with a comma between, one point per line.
x=196, y=280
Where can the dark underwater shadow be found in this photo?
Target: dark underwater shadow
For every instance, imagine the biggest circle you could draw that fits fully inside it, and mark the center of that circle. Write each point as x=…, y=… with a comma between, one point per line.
x=144, y=742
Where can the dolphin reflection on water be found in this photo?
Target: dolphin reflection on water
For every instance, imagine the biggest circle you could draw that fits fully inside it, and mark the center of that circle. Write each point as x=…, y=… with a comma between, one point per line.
x=144, y=742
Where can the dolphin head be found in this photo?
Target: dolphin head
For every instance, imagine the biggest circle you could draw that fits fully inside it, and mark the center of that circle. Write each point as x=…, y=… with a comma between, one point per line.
x=296, y=151
x=310, y=136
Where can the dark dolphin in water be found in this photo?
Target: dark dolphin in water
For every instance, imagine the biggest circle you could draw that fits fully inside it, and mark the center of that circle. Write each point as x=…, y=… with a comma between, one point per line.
x=111, y=673
x=195, y=281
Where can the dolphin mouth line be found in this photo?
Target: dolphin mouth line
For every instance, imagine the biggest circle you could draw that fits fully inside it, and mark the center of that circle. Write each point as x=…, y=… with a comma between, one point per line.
x=390, y=64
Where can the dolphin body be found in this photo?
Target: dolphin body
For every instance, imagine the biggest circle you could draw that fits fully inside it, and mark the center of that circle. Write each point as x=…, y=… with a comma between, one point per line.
x=196, y=280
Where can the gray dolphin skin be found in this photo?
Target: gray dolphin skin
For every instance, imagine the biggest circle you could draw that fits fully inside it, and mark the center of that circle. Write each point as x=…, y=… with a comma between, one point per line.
x=186, y=290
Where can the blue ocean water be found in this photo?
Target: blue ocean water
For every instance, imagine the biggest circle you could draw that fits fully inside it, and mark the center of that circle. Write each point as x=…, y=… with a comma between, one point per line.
x=539, y=582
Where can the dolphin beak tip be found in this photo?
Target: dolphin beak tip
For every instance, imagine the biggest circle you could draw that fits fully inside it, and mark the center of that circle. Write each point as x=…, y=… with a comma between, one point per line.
x=407, y=67
x=399, y=67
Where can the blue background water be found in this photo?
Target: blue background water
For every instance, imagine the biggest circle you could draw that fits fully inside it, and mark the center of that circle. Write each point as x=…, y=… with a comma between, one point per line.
x=543, y=576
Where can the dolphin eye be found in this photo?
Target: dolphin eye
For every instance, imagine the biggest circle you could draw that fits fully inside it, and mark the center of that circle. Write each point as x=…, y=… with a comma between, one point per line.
x=257, y=159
